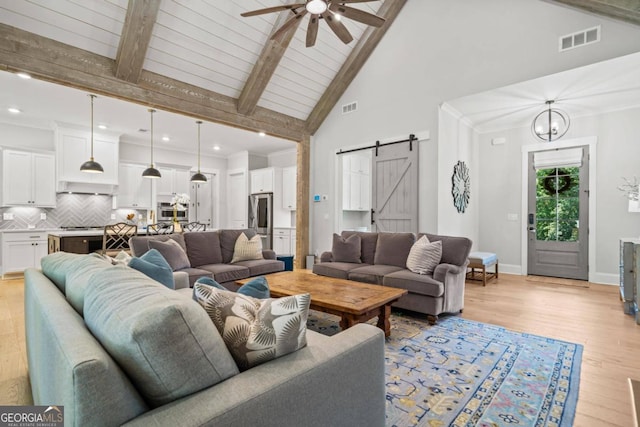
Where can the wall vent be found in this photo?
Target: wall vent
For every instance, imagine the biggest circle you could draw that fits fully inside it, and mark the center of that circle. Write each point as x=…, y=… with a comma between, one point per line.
x=580, y=38
x=349, y=108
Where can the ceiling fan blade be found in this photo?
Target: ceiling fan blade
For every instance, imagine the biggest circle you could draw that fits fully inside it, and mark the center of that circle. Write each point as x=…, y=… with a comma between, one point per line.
x=312, y=30
x=273, y=9
x=337, y=27
x=353, y=1
x=294, y=20
x=358, y=15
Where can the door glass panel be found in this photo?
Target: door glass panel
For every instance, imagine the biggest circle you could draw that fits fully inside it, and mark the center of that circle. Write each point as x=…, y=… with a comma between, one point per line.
x=557, y=204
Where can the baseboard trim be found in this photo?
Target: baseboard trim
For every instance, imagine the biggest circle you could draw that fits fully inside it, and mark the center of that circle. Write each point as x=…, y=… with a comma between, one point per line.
x=600, y=278
x=510, y=269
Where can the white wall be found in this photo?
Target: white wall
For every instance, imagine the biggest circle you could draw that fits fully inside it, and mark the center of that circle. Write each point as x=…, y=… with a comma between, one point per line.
x=23, y=137
x=617, y=155
x=283, y=159
x=439, y=50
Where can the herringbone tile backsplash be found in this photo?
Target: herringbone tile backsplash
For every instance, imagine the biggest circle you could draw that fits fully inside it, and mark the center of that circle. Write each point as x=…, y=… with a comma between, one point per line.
x=72, y=210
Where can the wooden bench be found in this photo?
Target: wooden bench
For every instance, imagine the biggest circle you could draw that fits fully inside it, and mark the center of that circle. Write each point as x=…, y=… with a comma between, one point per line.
x=481, y=261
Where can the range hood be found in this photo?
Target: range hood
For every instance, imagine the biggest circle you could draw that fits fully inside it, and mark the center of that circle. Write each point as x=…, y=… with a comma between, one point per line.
x=86, y=188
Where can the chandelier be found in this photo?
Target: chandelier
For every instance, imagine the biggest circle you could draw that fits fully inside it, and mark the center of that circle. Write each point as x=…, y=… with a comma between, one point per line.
x=551, y=124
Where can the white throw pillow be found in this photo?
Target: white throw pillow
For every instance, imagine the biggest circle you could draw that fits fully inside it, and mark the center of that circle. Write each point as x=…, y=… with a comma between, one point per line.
x=424, y=256
x=247, y=249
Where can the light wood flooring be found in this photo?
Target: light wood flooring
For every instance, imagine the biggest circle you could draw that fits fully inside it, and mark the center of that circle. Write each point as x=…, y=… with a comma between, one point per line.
x=590, y=316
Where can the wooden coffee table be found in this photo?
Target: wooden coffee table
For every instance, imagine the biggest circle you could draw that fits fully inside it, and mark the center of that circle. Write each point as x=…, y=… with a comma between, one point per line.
x=354, y=302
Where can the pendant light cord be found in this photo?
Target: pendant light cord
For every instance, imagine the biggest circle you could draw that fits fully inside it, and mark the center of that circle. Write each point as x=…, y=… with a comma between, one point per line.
x=92, y=96
x=199, y=123
x=151, y=110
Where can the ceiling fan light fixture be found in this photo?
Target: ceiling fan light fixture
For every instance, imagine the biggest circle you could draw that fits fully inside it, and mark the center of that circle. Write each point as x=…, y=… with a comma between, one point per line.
x=316, y=7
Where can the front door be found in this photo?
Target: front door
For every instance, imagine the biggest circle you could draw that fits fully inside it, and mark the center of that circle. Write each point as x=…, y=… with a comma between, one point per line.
x=558, y=216
x=395, y=188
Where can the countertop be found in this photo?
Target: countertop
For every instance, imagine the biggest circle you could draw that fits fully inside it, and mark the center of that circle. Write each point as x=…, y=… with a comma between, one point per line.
x=73, y=233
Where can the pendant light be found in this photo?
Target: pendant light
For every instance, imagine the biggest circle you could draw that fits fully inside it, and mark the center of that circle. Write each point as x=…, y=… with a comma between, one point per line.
x=198, y=176
x=91, y=166
x=151, y=171
x=550, y=124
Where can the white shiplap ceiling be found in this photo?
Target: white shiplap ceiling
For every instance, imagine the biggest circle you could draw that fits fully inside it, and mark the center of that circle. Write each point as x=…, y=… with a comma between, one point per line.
x=205, y=43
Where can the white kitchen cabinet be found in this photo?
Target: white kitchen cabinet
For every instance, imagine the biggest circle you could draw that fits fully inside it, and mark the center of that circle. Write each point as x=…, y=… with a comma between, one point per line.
x=262, y=180
x=356, y=183
x=22, y=250
x=201, y=202
x=73, y=148
x=282, y=241
x=173, y=181
x=289, y=188
x=134, y=190
x=28, y=179
x=293, y=241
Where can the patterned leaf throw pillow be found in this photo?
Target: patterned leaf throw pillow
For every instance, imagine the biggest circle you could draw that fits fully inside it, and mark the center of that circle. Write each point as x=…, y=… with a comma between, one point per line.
x=254, y=330
x=424, y=256
x=247, y=249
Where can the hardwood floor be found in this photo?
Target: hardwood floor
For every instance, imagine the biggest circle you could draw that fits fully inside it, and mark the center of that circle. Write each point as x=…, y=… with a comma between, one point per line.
x=590, y=316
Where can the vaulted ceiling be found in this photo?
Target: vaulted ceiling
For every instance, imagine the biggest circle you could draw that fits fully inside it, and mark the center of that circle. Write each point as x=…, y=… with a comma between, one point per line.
x=202, y=59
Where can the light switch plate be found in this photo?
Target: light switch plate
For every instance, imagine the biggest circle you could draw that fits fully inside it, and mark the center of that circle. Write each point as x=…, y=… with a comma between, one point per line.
x=43, y=215
x=7, y=216
x=113, y=216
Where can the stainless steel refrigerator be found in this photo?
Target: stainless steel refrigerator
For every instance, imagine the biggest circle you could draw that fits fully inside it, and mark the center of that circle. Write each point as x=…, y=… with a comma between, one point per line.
x=261, y=217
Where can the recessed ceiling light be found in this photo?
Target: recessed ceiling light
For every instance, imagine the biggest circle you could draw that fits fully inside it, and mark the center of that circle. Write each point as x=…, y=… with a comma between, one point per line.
x=102, y=127
x=216, y=147
x=14, y=110
x=23, y=76
x=261, y=133
x=166, y=138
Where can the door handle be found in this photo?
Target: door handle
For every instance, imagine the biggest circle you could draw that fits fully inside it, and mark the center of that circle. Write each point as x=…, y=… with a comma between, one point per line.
x=372, y=220
x=532, y=229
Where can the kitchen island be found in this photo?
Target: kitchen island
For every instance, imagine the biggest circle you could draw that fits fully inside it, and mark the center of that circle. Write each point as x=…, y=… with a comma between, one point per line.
x=78, y=241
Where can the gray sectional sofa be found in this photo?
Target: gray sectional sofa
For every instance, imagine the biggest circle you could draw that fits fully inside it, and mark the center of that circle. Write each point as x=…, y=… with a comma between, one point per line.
x=117, y=348
x=383, y=259
x=210, y=254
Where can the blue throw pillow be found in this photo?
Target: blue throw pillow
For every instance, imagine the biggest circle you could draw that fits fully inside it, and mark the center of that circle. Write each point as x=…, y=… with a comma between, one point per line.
x=153, y=264
x=256, y=288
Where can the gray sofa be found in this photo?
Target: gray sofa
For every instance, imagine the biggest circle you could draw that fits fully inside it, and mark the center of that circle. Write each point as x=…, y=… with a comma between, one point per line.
x=383, y=258
x=210, y=254
x=82, y=359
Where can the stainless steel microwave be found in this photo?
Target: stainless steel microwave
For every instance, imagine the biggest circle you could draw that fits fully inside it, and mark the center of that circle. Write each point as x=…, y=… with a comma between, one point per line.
x=165, y=213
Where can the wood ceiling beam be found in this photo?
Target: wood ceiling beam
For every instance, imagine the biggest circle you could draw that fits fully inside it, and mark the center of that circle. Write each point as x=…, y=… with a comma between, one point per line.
x=266, y=65
x=623, y=10
x=359, y=55
x=70, y=66
x=135, y=38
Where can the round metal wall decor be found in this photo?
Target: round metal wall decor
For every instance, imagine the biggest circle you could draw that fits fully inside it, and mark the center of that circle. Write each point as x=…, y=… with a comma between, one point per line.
x=461, y=186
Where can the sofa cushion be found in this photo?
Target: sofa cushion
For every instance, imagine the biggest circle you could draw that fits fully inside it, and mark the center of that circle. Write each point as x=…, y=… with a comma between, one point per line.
x=455, y=250
x=255, y=288
x=255, y=330
x=339, y=270
x=153, y=265
x=423, y=284
x=175, y=255
x=258, y=267
x=195, y=273
x=346, y=249
x=164, y=342
x=57, y=265
x=247, y=249
x=228, y=242
x=203, y=248
x=226, y=272
x=140, y=244
x=424, y=256
x=368, y=242
x=372, y=273
x=393, y=248
x=80, y=277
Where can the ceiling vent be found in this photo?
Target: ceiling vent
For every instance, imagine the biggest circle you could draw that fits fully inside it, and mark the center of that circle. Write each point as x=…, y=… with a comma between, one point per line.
x=580, y=38
x=349, y=108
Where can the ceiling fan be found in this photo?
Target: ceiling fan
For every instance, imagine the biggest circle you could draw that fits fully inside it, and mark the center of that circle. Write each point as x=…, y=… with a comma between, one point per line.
x=329, y=10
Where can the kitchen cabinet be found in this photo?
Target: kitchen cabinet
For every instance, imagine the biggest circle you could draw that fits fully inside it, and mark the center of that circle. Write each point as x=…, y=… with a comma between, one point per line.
x=173, y=181
x=289, y=188
x=201, y=202
x=356, y=183
x=21, y=250
x=73, y=148
x=134, y=191
x=262, y=180
x=282, y=241
x=28, y=179
x=74, y=244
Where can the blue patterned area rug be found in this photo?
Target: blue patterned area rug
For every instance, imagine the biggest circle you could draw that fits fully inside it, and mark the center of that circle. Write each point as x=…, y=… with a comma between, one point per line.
x=465, y=373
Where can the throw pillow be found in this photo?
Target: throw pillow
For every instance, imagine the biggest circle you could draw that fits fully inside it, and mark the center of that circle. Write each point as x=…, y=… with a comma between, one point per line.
x=256, y=288
x=424, y=256
x=172, y=252
x=153, y=265
x=247, y=249
x=122, y=258
x=346, y=249
x=256, y=331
